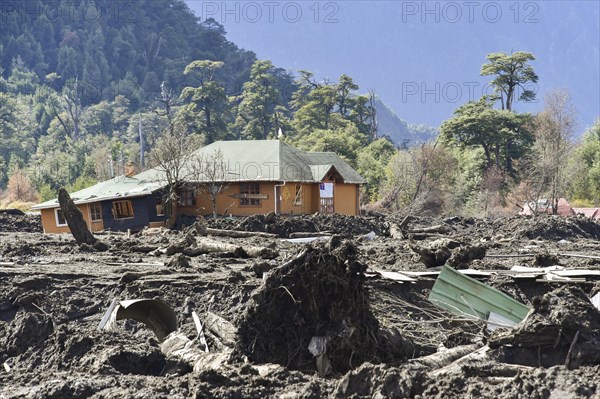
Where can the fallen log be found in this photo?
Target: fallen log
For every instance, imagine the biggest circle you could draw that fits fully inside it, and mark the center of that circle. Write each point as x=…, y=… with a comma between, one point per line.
x=455, y=367
x=202, y=229
x=431, y=229
x=208, y=246
x=221, y=328
x=308, y=234
x=445, y=357
x=179, y=346
x=396, y=232
x=239, y=234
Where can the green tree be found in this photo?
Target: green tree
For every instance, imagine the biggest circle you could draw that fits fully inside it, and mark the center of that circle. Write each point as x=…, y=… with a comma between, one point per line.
x=208, y=102
x=503, y=135
x=511, y=72
x=586, y=179
x=346, y=142
x=371, y=164
x=259, y=98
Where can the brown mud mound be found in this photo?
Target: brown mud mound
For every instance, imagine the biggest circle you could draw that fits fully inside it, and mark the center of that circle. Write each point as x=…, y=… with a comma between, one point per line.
x=15, y=221
x=564, y=328
x=320, y=293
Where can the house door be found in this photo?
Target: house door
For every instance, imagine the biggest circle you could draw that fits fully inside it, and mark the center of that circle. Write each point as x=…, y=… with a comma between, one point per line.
x=326, y=198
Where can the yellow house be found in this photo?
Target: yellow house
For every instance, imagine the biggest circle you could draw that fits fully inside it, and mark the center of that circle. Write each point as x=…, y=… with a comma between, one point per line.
x=240, y=178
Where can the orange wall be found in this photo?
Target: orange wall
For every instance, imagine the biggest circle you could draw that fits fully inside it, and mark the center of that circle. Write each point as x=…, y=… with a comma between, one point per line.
x=345, y=198
x=49, y=221
x=232, y=205
x=289, y=191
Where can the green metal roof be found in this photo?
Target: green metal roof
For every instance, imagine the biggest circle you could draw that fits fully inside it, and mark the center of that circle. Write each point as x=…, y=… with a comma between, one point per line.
x=458, y=293
x=119, y=187
x=249, y=160
x=266, y=160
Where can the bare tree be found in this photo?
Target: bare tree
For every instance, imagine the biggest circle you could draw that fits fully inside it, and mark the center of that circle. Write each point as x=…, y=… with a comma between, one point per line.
x=210, y=171
x=72, y=107
x=553, y=129
x=170, y=155
x=417, y=179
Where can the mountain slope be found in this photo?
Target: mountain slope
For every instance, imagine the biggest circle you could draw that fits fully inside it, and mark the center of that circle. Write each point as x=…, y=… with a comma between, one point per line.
x=401, y=132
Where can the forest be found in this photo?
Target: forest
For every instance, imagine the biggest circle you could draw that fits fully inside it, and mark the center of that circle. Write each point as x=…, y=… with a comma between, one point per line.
x=88, y=89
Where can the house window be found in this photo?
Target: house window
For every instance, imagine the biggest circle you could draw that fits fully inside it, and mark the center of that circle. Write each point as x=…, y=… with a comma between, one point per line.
x=122, y=209
x=298, y=197
x=249, y=189
x=187, y=198
x=95, y=212
x=160, y=211
x=60, y=219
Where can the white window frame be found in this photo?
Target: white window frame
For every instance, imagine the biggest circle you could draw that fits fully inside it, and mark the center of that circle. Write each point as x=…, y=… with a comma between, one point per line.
x=56, y=210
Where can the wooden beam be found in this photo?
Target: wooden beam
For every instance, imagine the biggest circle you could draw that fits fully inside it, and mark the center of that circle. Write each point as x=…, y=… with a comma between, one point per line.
x=249, y=196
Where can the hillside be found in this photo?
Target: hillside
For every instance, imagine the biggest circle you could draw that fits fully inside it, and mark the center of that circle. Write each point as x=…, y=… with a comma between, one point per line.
x=115, y=48
x=401, y=132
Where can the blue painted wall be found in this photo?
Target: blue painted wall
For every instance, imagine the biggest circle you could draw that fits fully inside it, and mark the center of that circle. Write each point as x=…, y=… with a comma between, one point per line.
x=144, y=212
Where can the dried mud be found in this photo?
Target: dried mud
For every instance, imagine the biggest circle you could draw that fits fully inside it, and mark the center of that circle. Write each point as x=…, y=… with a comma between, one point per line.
x=54, y=293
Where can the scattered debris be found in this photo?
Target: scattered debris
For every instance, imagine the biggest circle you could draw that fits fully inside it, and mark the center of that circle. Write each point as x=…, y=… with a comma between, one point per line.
x=563, y=328
x=272, y=327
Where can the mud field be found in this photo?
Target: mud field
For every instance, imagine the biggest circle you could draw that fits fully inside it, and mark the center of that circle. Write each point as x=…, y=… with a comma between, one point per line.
x=286, y=319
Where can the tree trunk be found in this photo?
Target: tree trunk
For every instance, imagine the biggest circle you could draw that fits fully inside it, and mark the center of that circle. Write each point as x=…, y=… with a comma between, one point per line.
x=74, y=219
x=209, y=246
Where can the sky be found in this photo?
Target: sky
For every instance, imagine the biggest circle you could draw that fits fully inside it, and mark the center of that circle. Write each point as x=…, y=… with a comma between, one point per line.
x=423, y=57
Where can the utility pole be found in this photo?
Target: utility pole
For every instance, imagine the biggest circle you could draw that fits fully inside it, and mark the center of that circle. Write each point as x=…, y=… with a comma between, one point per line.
x=141, y=143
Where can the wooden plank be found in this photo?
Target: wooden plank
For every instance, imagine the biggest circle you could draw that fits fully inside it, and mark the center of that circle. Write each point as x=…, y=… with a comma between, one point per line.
x=394, y=276
x=579, y=256
x=249, y=196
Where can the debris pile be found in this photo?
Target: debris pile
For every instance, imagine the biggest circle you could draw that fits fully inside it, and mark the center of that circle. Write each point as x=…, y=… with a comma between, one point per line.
x=316, y=304
x=13, y=221
x=285, y=226
x=564, y=328
x=549, y=227
x=255, y=314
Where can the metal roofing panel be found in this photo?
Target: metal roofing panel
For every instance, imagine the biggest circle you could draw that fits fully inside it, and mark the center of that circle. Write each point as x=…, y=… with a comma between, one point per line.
x=458, y=293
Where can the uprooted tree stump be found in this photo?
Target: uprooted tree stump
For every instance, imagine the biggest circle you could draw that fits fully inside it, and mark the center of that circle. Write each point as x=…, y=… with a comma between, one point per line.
x=76, y=223
x=320, y=293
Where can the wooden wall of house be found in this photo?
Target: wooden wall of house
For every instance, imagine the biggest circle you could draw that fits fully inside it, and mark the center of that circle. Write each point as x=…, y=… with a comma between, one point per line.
x=232, y=205
x=288, y=196
x=345, y=198
x=49, y=221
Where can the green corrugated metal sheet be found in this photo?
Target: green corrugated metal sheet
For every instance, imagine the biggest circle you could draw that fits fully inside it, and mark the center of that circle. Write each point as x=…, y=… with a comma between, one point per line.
x=458, y=293
x=118, y=187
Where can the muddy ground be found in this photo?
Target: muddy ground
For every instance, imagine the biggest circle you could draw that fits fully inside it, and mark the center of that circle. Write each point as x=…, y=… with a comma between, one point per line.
x=53, y=295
